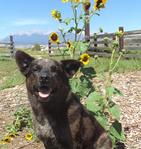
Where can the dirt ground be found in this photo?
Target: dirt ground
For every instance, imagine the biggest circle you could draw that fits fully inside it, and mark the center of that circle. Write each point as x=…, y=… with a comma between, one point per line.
x=130, y=85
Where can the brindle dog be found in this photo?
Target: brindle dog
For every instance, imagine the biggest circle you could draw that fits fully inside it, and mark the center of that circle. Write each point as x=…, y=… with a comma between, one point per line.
x=60, y=120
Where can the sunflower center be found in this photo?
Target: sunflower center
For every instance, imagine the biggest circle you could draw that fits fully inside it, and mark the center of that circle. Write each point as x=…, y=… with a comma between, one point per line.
x=28, y=136
x=85, y=59
x=98, y=3
x=87, y=5
x=54, y=37
x=69, y=44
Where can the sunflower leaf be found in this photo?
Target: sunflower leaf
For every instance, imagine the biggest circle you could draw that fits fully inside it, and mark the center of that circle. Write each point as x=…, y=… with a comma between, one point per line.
x=67, y=21
x=81, y=86
x=88, y=71
x=116, y=131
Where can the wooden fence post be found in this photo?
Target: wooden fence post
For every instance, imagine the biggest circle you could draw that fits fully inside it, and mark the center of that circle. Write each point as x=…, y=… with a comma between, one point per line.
x=87, y=26
x=95, y=40
x=12, y=49
x=121, y=39
x=49, y=47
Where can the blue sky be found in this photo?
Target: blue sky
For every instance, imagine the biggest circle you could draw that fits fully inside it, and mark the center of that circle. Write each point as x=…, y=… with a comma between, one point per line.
x=28, y=16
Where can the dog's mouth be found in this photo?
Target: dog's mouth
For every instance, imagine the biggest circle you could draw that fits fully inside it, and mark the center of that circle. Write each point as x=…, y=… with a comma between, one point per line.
x=45, y=92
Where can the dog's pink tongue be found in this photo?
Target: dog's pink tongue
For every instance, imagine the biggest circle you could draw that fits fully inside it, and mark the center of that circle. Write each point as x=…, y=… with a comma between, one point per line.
x=44, y=95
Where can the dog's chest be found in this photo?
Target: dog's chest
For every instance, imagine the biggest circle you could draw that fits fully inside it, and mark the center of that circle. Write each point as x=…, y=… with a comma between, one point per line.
x=44, y=129
x=52, y=133
x=42, y=125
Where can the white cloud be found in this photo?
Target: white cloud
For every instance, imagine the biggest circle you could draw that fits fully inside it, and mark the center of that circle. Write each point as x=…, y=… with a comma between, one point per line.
x=26, y=22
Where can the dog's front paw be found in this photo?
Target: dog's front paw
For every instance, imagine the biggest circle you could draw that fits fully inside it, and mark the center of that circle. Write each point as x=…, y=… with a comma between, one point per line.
x=103, y=142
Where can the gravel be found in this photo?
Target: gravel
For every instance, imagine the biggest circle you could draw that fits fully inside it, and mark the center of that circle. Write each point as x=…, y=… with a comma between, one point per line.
x=130, y=104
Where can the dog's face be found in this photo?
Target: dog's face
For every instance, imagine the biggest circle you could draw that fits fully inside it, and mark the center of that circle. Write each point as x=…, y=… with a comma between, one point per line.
x=46, y=79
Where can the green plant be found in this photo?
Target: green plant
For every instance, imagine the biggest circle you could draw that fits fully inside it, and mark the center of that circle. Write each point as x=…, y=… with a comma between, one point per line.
x=100, y=104
x=104, y=109
x=22, y=119
x=75, y=24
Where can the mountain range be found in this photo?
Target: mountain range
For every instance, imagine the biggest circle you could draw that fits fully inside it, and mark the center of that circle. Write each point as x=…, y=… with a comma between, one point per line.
x=28, y=40
x=34, y=38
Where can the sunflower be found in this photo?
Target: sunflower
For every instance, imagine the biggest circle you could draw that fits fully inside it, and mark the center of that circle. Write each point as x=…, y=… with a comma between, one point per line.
x=7, y=139
x=12, y=135
x=54, y=37
x=85, y=58
x=65, y=1
x=86, y=5
x=69, y=44
x=29, y=136
x=99, y=4
x=56, y=14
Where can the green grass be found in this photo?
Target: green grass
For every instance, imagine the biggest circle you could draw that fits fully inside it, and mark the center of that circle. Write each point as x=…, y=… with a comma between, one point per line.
x=133, y=52
x=10, y=75
x=3, y=50
x=102, y=65
x=37, y=54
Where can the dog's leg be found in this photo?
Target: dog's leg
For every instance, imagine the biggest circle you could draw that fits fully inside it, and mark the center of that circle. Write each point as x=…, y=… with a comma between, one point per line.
x=49, y=145
x=103, y=142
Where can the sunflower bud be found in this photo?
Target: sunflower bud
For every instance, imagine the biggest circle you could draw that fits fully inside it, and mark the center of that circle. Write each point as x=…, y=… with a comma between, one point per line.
x=86, y=5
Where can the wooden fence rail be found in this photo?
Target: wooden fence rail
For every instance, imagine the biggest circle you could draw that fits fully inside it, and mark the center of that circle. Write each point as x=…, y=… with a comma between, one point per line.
x=98, y=41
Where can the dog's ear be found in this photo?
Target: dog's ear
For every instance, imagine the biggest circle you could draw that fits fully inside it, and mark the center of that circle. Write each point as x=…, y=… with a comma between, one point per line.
x=23, y=61
x=71, y=66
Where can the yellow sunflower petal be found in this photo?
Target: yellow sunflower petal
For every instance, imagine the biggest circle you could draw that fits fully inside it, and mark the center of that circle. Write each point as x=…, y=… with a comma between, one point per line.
x=12, y=135
x=7, y=139
x=2, y=142
x=85, y=55
x=104, y=1
x=56, y=14
x=75, y=1
x=29, y=136
x=69, y=44
x=85, y=63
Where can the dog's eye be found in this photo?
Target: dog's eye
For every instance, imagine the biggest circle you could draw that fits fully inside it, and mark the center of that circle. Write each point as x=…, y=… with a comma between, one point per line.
x=36, y=68
x=53, y=69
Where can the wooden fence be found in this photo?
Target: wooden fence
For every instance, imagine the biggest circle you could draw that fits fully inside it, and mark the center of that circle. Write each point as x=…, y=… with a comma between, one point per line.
x=54, y=48
x=99, y=41
x=10, y=46
x=131, y=41
x=96, y=43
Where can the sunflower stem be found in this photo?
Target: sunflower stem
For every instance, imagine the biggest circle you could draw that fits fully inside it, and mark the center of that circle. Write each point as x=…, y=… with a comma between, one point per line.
x=60, y=51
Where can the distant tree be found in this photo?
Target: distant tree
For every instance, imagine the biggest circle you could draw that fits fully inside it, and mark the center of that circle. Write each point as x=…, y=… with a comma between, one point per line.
x=36, y=47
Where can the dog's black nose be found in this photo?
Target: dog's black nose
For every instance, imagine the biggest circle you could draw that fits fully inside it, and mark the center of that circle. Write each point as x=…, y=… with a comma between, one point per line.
x=44, y=77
